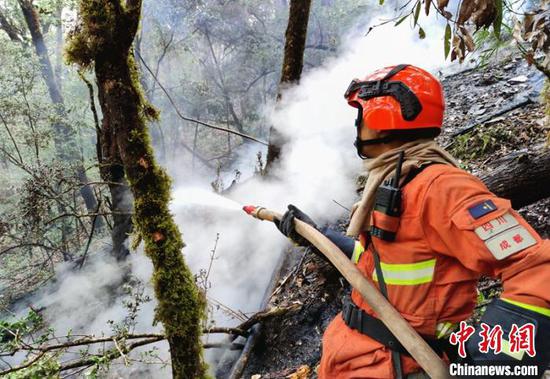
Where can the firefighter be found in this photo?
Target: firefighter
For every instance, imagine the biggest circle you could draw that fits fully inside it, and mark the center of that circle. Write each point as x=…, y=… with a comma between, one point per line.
x=424, y=232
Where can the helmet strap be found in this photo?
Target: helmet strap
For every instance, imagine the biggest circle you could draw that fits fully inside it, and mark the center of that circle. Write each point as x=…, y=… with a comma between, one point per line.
x=360, y=143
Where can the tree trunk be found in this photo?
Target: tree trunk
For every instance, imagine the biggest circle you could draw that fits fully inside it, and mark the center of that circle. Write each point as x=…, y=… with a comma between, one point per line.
x=112, y=172
x=521, y=178
x=104, y=41
x=64, y=137
x=293, y=62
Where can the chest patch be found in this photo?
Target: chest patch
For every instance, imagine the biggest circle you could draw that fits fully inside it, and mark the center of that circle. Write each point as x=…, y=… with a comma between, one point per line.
x=510, y=241
x=481, y=209
x=495, y=226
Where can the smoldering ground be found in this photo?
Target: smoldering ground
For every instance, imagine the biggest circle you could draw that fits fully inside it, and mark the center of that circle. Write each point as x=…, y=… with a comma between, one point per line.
x=319, y=165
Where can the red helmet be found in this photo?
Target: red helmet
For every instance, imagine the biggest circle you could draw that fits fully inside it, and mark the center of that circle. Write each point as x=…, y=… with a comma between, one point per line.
x=397, y=98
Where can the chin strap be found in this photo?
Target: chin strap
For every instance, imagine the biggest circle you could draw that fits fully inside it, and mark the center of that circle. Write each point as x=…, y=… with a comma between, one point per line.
x=360, y=143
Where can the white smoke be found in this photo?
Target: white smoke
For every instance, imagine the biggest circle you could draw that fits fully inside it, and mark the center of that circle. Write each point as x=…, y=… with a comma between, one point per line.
x=319, y=165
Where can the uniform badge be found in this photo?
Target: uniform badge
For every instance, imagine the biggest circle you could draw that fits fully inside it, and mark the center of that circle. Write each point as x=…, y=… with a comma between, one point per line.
x=510, y=241
x=481, y=209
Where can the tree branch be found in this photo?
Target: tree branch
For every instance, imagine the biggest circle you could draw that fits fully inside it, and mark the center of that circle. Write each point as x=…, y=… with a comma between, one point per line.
x=121, y=348
x=180, y=115
x=11, y=31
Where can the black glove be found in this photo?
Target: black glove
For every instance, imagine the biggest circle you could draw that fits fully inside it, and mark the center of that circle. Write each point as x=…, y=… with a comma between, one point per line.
x=286, y=225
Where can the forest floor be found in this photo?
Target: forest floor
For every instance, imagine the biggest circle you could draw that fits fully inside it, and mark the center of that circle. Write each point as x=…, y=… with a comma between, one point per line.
x=474, y=97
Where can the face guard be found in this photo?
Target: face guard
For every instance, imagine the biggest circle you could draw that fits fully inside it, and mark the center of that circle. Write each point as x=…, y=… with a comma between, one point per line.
x=409, y=102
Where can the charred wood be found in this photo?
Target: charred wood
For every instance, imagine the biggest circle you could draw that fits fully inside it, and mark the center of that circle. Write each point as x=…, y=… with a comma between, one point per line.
x=524, y=178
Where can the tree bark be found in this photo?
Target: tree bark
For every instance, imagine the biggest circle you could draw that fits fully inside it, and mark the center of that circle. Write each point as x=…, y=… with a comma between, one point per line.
x=293, y=62
x=112, y=172
x=11, y=31
x=64, y=138
x=522, y=178
x=104, y=42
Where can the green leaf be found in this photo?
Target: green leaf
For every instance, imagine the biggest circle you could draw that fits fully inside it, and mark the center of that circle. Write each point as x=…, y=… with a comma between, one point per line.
x=447, y=40
x=421, y=33
x=381, y=2
x=401, y=20
x=416, y=13
x=497, y=23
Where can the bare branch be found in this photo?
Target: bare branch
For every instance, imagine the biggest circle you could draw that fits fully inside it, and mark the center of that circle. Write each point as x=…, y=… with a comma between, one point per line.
x=11, y=138
x=122, y=349
x=180, y=115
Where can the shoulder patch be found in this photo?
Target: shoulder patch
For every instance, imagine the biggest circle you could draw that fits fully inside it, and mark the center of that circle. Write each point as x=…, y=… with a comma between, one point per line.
x=510, y=242
x=496, y=225
x=481, y=209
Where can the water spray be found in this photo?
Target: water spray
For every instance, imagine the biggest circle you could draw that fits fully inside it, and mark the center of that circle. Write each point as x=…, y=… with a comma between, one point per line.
x=184, y=197
x=403, y=331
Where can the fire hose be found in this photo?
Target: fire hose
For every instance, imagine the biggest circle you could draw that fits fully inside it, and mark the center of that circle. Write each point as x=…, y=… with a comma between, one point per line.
x=403, y=331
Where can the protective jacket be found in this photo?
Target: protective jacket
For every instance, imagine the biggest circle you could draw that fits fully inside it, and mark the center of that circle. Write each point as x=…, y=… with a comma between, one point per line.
x=452, y=230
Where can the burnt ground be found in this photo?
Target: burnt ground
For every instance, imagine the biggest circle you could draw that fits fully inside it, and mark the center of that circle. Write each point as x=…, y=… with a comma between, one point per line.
x=501, y=106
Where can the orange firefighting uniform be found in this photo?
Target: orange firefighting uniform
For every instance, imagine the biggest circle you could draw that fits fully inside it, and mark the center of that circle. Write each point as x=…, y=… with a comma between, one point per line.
x=432, y=267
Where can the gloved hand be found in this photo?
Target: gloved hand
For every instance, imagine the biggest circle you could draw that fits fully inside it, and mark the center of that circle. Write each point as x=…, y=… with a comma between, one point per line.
x=286, y=225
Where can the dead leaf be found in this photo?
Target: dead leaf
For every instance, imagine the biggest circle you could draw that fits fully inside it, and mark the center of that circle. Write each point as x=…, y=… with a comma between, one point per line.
x=302, y=373
x=468, y=40
x=427, y=5
x=458, y=48
x=466, y=10
x=484, y=13
x=441, y=4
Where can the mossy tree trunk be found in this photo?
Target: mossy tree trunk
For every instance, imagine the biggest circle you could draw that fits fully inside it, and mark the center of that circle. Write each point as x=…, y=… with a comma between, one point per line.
x=104, y=41
x=293, y=62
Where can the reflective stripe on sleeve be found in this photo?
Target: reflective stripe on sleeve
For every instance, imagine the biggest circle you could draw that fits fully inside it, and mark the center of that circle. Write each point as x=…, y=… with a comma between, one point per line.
x=357, y=252
x=407, y=274
x=533, y=308
x=444, y=329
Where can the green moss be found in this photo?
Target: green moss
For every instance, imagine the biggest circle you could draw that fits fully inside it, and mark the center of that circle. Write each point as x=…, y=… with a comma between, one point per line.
x=96, y=30
x=103, y=41
x=147, y=111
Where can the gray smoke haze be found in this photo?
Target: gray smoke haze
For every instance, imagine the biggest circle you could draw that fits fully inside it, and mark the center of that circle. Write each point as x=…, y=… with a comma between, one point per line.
x=319, y=165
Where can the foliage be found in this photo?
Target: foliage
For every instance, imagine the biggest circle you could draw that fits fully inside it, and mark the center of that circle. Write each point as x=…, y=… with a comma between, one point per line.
x=533, y=35
x=48, y=354
x=482, y=22
x=42, y=221
x=480, y=141
x=45, y=368
x=484, y=140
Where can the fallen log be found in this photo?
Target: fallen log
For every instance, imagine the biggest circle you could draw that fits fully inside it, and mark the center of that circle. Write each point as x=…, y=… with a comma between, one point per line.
x=523, y=178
